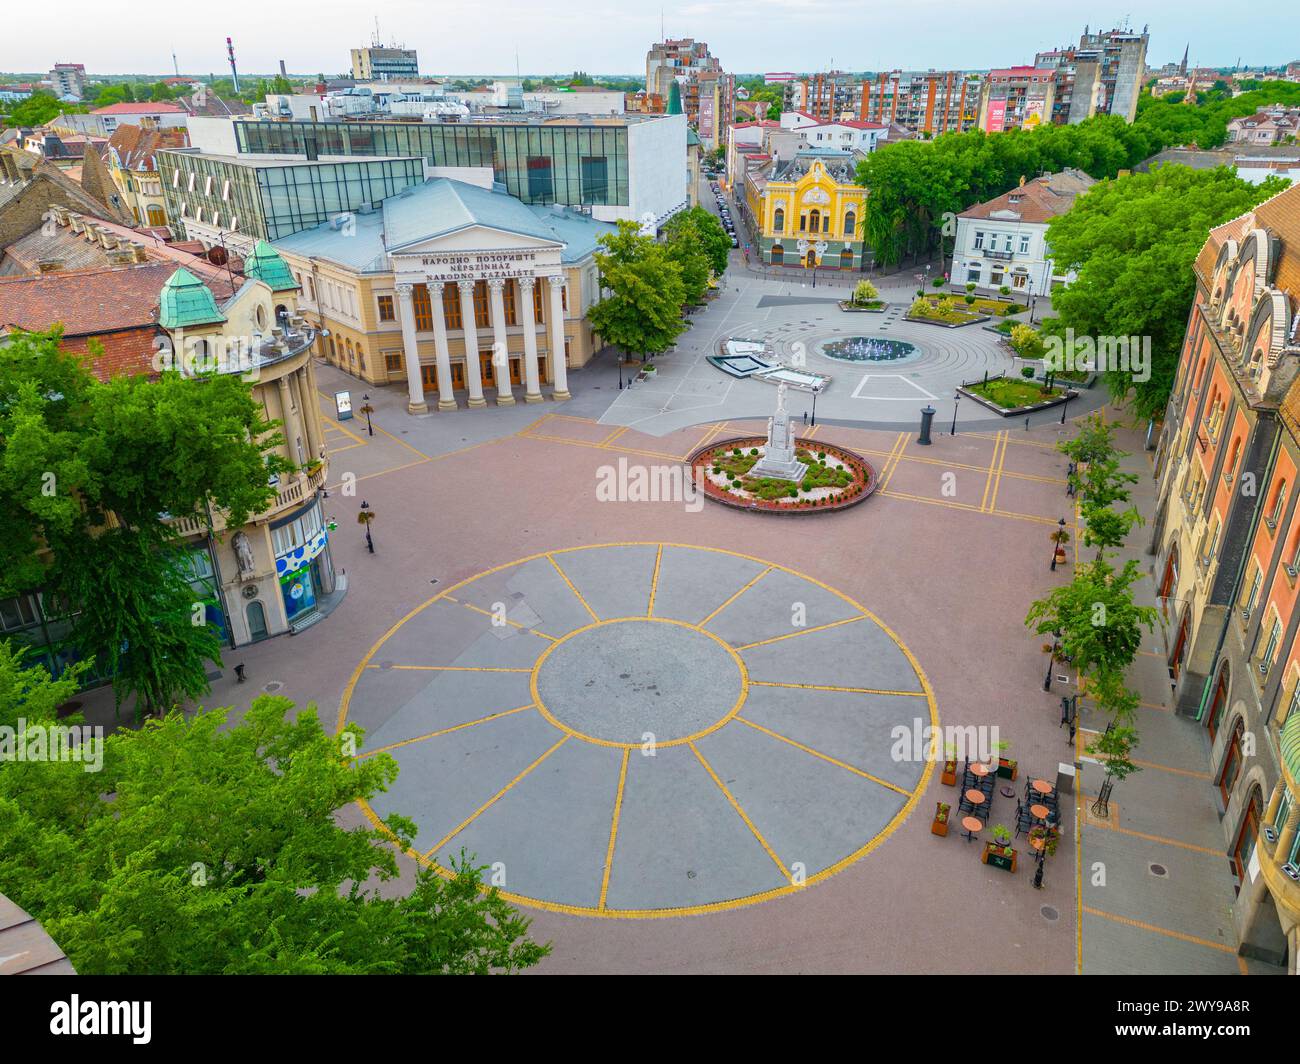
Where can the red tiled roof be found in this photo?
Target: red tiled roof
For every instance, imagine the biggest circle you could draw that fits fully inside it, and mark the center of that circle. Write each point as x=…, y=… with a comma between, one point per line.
x=1022, y=72
x=159, y=108
x=86, y=302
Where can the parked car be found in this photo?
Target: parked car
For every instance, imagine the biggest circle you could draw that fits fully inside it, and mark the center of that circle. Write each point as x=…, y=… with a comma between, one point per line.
x=734, y=242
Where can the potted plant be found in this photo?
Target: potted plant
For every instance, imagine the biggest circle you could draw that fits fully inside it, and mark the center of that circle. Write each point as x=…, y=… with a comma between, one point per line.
x=999, y=851
x=949, y=775
x=1050, y=835
x=940, y=824
x=1007, y=767
x=1060, y=537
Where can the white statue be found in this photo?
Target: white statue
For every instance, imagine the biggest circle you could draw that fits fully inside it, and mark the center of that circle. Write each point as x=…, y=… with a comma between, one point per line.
x=244, y=555
x=778, y=456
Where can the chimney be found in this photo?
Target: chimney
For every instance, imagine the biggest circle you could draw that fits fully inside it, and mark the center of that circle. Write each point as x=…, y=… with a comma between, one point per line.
x=140, y=254
x=49, y=265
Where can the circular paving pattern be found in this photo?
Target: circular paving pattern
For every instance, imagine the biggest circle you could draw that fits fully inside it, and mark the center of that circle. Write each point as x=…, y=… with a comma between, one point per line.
x=644, y=729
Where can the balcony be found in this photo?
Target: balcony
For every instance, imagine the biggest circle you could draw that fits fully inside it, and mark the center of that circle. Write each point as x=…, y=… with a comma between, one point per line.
x=993, y=253
x=294, y=490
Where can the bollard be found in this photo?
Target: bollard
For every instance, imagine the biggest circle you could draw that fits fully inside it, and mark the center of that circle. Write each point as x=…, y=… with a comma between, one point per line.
x=927, y=416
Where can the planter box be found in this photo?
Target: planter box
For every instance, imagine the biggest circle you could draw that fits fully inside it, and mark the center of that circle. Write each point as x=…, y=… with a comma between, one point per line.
x=942, y=814
x=1008, y=768
x=946, y=324
x=850, y=308
x=939, y=827
x=994, y=856
x=949, y=775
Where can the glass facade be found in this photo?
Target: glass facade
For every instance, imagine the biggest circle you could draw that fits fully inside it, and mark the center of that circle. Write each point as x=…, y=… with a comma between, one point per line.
x=569, y=164
x=271, y=202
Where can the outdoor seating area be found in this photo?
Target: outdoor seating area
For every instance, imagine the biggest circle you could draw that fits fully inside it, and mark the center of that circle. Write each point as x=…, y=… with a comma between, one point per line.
x=1037, y=813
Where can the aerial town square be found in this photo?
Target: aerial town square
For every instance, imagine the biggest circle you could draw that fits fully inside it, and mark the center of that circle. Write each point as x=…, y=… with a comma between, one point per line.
x=466, y=512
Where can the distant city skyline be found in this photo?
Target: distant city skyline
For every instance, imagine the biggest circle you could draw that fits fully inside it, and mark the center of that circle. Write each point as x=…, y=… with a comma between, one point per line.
x=748, y=36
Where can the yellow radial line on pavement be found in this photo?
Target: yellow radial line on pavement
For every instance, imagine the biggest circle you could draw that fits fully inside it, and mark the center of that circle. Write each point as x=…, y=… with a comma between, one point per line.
x=736, y=596
x=332, y=451
x=1181, y=935
x=961, y=465
x=785, y=872
x=449, y=668
x=331, y=423
x=728, y=904
x=536, y=423
x=493, y=800
x=894, y=459
x=603, y=447
x=613, y=827
x=1191, y=772
x=825, y=757
x=804, y=631
x=395, y=439
x=613, y=436
x=994, y=474
x=828, y=687
x=654, y=581
x=446, y=731
x=1017, y=442
x=577, y=594
x=489, y=613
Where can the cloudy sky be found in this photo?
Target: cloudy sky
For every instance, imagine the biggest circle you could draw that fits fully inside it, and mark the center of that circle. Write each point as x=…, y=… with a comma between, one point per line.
x=611, y=36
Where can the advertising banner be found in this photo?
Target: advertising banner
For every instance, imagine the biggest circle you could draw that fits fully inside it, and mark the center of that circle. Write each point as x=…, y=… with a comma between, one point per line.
x=997, y=115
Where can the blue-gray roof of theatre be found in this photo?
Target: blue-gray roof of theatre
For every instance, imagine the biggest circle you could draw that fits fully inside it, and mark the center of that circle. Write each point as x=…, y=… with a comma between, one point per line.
x=436, y=208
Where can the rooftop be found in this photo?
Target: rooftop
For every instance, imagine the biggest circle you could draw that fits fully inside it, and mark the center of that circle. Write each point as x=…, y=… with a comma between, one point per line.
x=1039, y=200
x=160, y=107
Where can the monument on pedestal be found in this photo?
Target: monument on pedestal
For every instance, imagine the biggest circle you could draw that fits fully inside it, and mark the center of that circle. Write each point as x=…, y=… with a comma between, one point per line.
x=778, y=456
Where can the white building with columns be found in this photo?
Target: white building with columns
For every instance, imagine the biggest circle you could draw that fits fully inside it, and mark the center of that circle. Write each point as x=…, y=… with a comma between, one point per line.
x=462, y=294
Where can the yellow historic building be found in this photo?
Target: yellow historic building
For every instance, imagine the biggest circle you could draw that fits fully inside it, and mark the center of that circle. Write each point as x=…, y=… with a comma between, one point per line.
x=403, y=291
x=807, y=211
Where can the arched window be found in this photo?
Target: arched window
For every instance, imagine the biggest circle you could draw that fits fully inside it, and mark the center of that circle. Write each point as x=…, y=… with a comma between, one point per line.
x=778, y=220
x=778, y=255
x=1220, y=702
x=851, y=223
x=846, y=259
x=815, y=221
x=156, y=215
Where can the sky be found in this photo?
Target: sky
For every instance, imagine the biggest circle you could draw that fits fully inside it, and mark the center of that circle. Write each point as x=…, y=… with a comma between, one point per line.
x=612, y=36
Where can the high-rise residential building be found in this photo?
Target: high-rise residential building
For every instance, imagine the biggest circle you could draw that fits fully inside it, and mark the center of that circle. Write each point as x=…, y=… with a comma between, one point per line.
x=1102, y=74
x=926, y=102
x=707, y=95
x=1017, y=98
x=68, y=79
x=384, y=64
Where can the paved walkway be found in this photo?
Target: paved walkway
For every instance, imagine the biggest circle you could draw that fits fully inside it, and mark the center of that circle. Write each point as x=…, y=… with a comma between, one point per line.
x=1155, y=884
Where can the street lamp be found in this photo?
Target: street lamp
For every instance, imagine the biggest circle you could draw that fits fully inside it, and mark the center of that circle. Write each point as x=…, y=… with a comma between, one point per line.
x=1057, y=540
x=814, y=408
x=1030, y=299
x=365, y=517
x=955, y=401
x=368, y=410
x=1051, y=659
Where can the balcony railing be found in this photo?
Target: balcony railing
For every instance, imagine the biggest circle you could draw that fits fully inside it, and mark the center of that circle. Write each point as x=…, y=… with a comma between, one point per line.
x=994, y=253
x=301, y=487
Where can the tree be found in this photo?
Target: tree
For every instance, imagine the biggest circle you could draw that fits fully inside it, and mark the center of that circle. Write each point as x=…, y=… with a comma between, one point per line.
x=221, y=853
x=38, y=109
x=1026, y=343
x=705, y=230
x=1100, y=624
x=1133, y=242
x=87, y=471
x=643, y=312
x=864, y=292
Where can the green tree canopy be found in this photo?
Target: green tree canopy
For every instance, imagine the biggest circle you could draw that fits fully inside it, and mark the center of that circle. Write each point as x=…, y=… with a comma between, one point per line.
x=1133, y=242
x=697, y=226
x=643, y=312
x=88, y=472
x=221, y=853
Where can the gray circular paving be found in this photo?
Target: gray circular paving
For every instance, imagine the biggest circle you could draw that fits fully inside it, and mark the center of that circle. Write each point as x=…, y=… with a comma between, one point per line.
x=635, y=682
x=644, y=729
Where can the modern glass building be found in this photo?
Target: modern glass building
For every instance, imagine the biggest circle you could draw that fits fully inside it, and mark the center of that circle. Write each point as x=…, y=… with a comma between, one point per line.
x=572, y=164
x=270, y=199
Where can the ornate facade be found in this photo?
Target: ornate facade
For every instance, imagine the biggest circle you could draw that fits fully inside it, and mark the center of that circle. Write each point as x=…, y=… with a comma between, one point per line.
x=808, y=212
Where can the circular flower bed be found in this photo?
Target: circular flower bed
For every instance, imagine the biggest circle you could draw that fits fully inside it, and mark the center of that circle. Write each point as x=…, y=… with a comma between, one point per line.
x=836, y=478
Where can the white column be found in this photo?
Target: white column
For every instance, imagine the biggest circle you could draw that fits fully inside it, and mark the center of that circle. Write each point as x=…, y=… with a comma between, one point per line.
x=289, y=424
x=473, y=378
x=298, y=385
x=500, y=343
x=559, y=368
x=532, y=389
x=410, y=351
x=313, y=406
x=441, y=352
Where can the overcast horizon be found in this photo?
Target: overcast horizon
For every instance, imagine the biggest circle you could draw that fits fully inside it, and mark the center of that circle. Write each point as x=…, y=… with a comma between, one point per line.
x=747, y=36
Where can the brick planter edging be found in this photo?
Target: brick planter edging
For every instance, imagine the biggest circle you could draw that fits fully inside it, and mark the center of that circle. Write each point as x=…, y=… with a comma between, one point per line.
x=849, y=308
x=947, y=324
x=1046, y=404
x=711, y=491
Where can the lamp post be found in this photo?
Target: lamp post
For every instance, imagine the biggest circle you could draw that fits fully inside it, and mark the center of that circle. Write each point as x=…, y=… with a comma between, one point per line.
x=1051, y=659
x=1029, y=300
x=814, y=408
x=367, y=409
x=1058, y=540
x=365, y=517
x=954, y=414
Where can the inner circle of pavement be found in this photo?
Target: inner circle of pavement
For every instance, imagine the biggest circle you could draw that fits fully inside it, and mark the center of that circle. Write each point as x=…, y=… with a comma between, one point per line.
x=758, y=799
x=638, y=681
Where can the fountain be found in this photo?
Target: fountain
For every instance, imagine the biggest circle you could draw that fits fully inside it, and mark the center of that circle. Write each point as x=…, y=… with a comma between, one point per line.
x=867, y=349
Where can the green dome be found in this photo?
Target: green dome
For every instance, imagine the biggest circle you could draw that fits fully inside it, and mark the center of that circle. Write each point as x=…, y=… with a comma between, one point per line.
x=187, y=301
x=265, y=264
